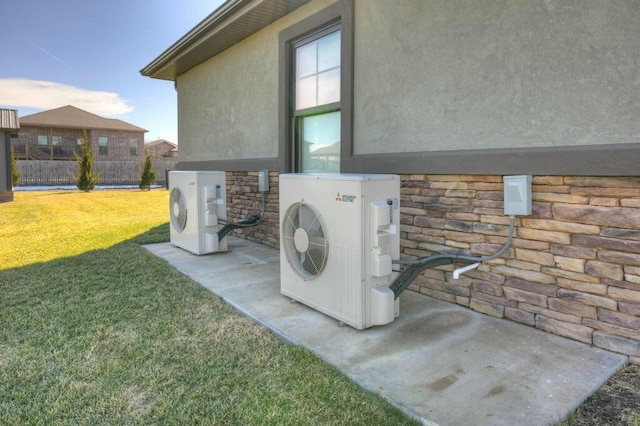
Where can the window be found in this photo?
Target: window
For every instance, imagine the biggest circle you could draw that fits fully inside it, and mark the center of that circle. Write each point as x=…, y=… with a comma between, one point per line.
x=316, y=96
x=56, y=140
x=103, y=145
x=43, y=140
x=133, y=147
x=317, y=102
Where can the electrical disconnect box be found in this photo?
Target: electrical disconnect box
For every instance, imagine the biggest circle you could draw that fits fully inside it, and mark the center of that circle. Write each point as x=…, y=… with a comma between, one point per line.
x=263, y=180
x=517, y=195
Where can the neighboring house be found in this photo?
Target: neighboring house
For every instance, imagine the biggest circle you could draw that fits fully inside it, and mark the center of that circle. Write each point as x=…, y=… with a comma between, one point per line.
x=452, y=96
x=161, y=149
x=56, y=134
x=9, y=125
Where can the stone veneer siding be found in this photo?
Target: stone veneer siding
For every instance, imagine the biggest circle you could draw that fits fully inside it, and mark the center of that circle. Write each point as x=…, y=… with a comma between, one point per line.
x=573, y=268
x=244, y=199
x=574, y=265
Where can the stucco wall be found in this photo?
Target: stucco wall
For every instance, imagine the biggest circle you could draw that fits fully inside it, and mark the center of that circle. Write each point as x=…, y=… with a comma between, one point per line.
x=454, y=75
x=228, y=106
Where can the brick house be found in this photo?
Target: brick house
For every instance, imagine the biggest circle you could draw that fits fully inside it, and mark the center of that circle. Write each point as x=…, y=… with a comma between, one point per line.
x=161, y=148
x=452, y=96
x=56, y=134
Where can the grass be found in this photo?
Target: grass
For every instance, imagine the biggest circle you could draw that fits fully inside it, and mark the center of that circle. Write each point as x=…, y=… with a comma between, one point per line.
x=617, y=402
x=95, y=330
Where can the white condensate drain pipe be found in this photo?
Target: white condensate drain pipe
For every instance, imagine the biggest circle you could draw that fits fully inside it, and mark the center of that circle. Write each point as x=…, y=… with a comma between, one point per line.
x=517, y=201
x=457, y=272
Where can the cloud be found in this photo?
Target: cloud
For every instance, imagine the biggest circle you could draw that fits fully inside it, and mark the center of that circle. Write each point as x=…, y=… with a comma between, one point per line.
x=20, y=92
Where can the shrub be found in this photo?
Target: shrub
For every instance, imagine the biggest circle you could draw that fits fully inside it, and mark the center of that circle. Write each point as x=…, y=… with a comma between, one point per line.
x=86, y=178
x=148, y=176
x=15, y=173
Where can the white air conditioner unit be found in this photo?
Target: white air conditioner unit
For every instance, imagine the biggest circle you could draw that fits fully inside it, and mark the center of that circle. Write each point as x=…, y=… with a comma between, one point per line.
x=338, y=236
x=197, y=204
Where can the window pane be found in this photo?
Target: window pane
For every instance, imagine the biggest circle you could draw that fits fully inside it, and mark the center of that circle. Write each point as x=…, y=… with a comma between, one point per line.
x=306, y=60
x=133, y=147
x=306, y=93
x=329, y=87
x=320, y=145
x=42, y=140
x=318, y=72
x=329, y=52
x=103, y=145
x=56, y=140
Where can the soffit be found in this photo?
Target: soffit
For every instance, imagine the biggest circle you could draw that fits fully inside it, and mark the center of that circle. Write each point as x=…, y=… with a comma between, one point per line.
x=231, y=23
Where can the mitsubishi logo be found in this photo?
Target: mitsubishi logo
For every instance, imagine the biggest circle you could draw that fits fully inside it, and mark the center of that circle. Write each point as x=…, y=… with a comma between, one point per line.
x=345, y=198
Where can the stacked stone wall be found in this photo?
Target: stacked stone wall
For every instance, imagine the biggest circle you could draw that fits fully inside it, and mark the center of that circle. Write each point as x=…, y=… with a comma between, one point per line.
x=574, y=265
x=244, y=199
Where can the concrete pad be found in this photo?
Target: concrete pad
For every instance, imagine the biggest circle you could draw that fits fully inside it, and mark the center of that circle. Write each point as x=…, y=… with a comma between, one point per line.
x=440, y=363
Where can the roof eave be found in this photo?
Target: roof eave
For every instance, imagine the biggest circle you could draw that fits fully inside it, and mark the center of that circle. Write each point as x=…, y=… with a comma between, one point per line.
x=231, y=23
x=73, y=126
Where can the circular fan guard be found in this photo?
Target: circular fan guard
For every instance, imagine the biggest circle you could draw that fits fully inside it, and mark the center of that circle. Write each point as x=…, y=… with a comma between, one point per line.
x=178, y=209
x=304, y=240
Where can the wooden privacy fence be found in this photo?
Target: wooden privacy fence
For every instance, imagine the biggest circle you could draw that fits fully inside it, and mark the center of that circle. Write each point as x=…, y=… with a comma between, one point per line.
x=47, y=172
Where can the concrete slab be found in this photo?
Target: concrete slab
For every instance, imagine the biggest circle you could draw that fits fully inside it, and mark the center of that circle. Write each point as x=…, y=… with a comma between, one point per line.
x=440, y=363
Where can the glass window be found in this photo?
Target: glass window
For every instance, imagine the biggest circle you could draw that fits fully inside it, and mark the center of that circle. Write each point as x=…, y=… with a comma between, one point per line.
x=320, y=147
x=133, y=147
x=56, y=140
x=318, y=72
x=43, y=140
x=103, y=145
x=317, y=102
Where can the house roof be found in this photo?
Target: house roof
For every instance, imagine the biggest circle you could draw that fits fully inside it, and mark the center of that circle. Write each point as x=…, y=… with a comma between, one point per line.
x=9, y=119
x=231, y=23
x=160, y=142
x=76, y=118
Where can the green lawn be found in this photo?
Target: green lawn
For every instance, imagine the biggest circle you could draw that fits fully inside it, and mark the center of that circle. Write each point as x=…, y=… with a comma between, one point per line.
x=95, y=330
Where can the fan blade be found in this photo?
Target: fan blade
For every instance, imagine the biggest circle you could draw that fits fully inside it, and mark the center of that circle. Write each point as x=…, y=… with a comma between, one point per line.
x=307, y=217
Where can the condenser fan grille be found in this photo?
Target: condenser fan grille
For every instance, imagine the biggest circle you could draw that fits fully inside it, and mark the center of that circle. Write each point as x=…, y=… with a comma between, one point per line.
x=178, y=209
x=304, y=240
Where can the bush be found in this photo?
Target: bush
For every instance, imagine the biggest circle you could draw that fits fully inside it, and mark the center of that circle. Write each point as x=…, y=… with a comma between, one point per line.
x=86, y=178
x=148, y=176
x=15, y=173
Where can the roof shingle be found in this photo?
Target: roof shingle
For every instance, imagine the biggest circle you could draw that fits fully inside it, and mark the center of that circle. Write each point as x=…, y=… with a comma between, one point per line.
x=76, y=118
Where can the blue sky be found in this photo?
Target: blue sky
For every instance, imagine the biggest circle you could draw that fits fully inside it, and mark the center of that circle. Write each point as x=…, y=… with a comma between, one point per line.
x=88, y=53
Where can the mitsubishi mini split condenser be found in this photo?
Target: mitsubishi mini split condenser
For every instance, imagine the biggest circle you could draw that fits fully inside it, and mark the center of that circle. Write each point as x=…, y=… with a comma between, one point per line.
x=338, y=236
x=197, y=205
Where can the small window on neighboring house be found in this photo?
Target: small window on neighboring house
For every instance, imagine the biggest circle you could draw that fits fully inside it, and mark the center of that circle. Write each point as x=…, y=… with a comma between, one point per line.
x=56, y=140
x=79, y=141
x=43, y=140
x=103, y=145
x=133, y=147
